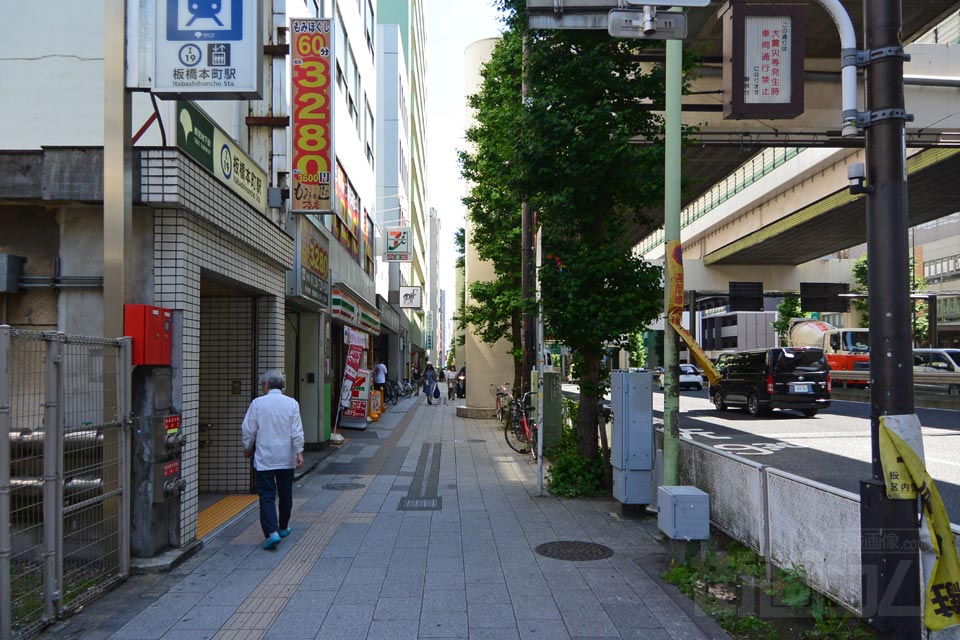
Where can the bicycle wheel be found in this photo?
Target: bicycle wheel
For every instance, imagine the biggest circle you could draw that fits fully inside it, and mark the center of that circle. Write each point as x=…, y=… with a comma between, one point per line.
x=393, y=396
x=515, y=437
x=500, y=411
x=534, y=431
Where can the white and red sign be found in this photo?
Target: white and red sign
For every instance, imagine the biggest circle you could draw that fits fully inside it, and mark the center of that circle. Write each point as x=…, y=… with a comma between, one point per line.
x=766, y=59
x=312, y=87
x=359, y=396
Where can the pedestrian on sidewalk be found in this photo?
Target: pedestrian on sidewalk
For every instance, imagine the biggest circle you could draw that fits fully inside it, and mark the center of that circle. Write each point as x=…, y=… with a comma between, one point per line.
x=273, y=435
x=429, y=382
x=415, y=376
x=450, y=376
x=380, y=376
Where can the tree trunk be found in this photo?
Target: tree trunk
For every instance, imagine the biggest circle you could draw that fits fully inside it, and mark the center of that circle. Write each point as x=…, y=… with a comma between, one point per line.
x=587, y=416
x=516, y=330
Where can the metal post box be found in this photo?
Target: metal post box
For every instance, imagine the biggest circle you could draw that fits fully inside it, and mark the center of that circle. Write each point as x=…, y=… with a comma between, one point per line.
x=684, y=513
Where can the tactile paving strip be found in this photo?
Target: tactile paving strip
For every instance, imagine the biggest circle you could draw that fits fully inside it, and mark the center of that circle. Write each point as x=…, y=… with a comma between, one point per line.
x=221, y=511
x=256, y=615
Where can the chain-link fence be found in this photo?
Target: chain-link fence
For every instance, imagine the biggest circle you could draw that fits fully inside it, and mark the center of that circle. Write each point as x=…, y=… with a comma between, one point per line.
x=63, y=475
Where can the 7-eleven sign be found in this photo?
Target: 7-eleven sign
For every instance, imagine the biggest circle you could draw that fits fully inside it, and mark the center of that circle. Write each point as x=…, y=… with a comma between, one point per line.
x=399, y=246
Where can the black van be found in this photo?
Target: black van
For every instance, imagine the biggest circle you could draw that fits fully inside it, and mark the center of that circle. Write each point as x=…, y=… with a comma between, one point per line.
x=795, y=378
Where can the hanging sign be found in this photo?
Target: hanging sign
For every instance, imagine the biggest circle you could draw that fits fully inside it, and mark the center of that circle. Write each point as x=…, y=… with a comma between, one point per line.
x=209, y=49
x=399, y=247
x=311, y=188
x=310, y=277
x=763, y=49
x=411, y=297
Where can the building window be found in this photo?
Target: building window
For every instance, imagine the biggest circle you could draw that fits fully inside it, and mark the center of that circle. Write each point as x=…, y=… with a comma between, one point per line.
x=370, y=26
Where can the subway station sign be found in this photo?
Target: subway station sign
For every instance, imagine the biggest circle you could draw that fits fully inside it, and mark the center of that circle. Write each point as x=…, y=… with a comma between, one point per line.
x=208, y=49
x=205, y=142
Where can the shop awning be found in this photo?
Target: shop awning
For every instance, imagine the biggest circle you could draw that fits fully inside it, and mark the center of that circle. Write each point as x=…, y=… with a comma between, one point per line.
x=351, y=309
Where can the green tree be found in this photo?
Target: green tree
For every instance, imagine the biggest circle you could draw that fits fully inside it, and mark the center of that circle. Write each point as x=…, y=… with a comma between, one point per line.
x=920, y=322
x=588, y=183
x=459, y=318
x=788, y=309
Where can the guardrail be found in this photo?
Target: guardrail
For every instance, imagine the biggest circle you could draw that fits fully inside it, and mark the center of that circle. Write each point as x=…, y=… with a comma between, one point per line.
x=918, y=377
x=789, y=520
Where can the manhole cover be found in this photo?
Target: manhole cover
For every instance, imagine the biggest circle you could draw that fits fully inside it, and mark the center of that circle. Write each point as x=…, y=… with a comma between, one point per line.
x=342, y=486
x=575, y=551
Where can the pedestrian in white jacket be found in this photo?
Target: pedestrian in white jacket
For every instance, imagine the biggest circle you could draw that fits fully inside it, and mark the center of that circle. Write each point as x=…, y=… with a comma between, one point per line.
x=273, y=434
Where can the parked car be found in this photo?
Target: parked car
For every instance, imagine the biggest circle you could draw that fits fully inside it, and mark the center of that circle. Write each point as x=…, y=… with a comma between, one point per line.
x=937, y=361
x=796, y=378
x=689, y=377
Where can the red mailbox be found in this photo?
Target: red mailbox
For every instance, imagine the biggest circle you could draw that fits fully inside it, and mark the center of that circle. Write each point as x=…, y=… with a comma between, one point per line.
x=151, y=328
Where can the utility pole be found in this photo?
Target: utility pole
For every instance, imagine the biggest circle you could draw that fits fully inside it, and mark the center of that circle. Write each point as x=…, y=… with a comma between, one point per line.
x=671, y=233
x=889, y=528
x=526, y=240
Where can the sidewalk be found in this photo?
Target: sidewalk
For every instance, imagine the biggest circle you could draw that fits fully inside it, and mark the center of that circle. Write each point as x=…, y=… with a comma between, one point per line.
x=422, y=526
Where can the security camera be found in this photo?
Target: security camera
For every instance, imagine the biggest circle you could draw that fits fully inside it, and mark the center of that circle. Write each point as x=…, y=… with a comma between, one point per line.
x=857, y=175
x=649, y=20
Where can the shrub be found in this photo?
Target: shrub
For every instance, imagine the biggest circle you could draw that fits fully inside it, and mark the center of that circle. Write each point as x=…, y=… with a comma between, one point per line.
x=570, y=474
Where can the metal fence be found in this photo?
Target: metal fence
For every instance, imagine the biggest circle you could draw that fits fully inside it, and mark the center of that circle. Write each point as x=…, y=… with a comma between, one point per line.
x=64, y=471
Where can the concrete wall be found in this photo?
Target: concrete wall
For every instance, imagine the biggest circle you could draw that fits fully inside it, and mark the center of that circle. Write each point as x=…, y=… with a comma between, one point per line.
x=33, y=233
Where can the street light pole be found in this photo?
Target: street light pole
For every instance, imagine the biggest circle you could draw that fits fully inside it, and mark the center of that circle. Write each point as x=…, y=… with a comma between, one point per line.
x=889, y=528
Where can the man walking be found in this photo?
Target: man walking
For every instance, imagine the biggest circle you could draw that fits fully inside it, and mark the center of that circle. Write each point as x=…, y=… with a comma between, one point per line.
x=380, y=376
x=273, y=434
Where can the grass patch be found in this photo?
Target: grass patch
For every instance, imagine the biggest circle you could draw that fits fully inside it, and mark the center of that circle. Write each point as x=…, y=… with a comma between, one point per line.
x=728, y=581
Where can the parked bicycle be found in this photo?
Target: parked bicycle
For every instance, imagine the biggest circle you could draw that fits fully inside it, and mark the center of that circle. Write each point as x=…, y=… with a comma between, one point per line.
x=499, y=391
x=391, y=392
x=521, y=432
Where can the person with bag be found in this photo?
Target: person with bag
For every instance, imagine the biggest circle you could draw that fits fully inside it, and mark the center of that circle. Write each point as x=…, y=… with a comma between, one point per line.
x=430, y=383
x=273, y=434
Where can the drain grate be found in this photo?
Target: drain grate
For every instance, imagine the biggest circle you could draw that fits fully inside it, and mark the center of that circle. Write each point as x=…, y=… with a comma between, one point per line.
x=343, y=486
x=574, y=551
x=421, y=504
x=469, y=441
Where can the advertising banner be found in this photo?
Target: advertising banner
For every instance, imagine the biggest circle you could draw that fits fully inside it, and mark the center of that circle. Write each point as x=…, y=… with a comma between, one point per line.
x=312, y=124
x=209, y=49
x=359, y=396
x=399, y=246
x=350, y=372
x=205, y=142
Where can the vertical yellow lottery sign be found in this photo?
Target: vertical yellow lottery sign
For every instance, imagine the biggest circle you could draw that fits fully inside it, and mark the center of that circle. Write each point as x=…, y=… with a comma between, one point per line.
x=312, y=125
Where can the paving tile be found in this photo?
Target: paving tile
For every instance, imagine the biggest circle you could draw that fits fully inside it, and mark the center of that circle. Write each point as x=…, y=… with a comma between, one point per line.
x=537, y=608
x=485, y=592
x=393, y=630
x=443, y=624
x=589, y=623
x=397, y=609
x=173, y=634
x=542, y=630
x=490, y=616
x=295, y=626
x=342, y=633
x=502, y=633
x=205, y=617
x=445, y=600
x=445, y=580
x=626, y=616
x=348, y=615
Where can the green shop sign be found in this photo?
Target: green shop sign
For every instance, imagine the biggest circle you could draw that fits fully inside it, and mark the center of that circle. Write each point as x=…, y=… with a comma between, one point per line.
x=201, y=139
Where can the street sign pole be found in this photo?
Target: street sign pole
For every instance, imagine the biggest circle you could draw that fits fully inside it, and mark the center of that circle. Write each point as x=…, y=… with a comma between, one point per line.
x=891, y=574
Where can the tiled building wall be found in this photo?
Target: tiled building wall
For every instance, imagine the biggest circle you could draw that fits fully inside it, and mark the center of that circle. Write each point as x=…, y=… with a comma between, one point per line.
x=226, y=386
x=200, y=227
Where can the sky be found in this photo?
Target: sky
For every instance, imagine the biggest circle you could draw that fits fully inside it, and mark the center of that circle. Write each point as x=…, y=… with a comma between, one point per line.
x=451, y=26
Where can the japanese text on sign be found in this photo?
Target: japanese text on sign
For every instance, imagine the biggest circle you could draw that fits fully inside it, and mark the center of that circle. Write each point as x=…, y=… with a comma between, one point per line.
x=767, y=59
x=312, y=115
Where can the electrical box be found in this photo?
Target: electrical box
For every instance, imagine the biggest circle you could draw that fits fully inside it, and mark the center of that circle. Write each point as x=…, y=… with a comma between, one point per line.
x=684, y=513
x=631, y=402
x=151, y=331
x=11, y=268
x=551, y=422
x=631, y=438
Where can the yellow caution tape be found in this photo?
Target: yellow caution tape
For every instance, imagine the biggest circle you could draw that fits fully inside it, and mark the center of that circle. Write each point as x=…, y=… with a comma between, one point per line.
x=906, y=477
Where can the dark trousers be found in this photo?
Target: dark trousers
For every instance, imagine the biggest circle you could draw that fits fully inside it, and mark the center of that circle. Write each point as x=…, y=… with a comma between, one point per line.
x=271, y=485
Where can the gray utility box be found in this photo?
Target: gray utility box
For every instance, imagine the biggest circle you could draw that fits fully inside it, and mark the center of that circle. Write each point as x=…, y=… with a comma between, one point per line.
x=684, y=513
x=631, y=440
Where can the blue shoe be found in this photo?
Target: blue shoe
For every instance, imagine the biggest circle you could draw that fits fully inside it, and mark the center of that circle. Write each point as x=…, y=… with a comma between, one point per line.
x=272, y=541
x=285, y=532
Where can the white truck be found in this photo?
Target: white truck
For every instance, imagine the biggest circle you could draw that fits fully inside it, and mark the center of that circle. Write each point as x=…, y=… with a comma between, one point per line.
x=846, y=349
